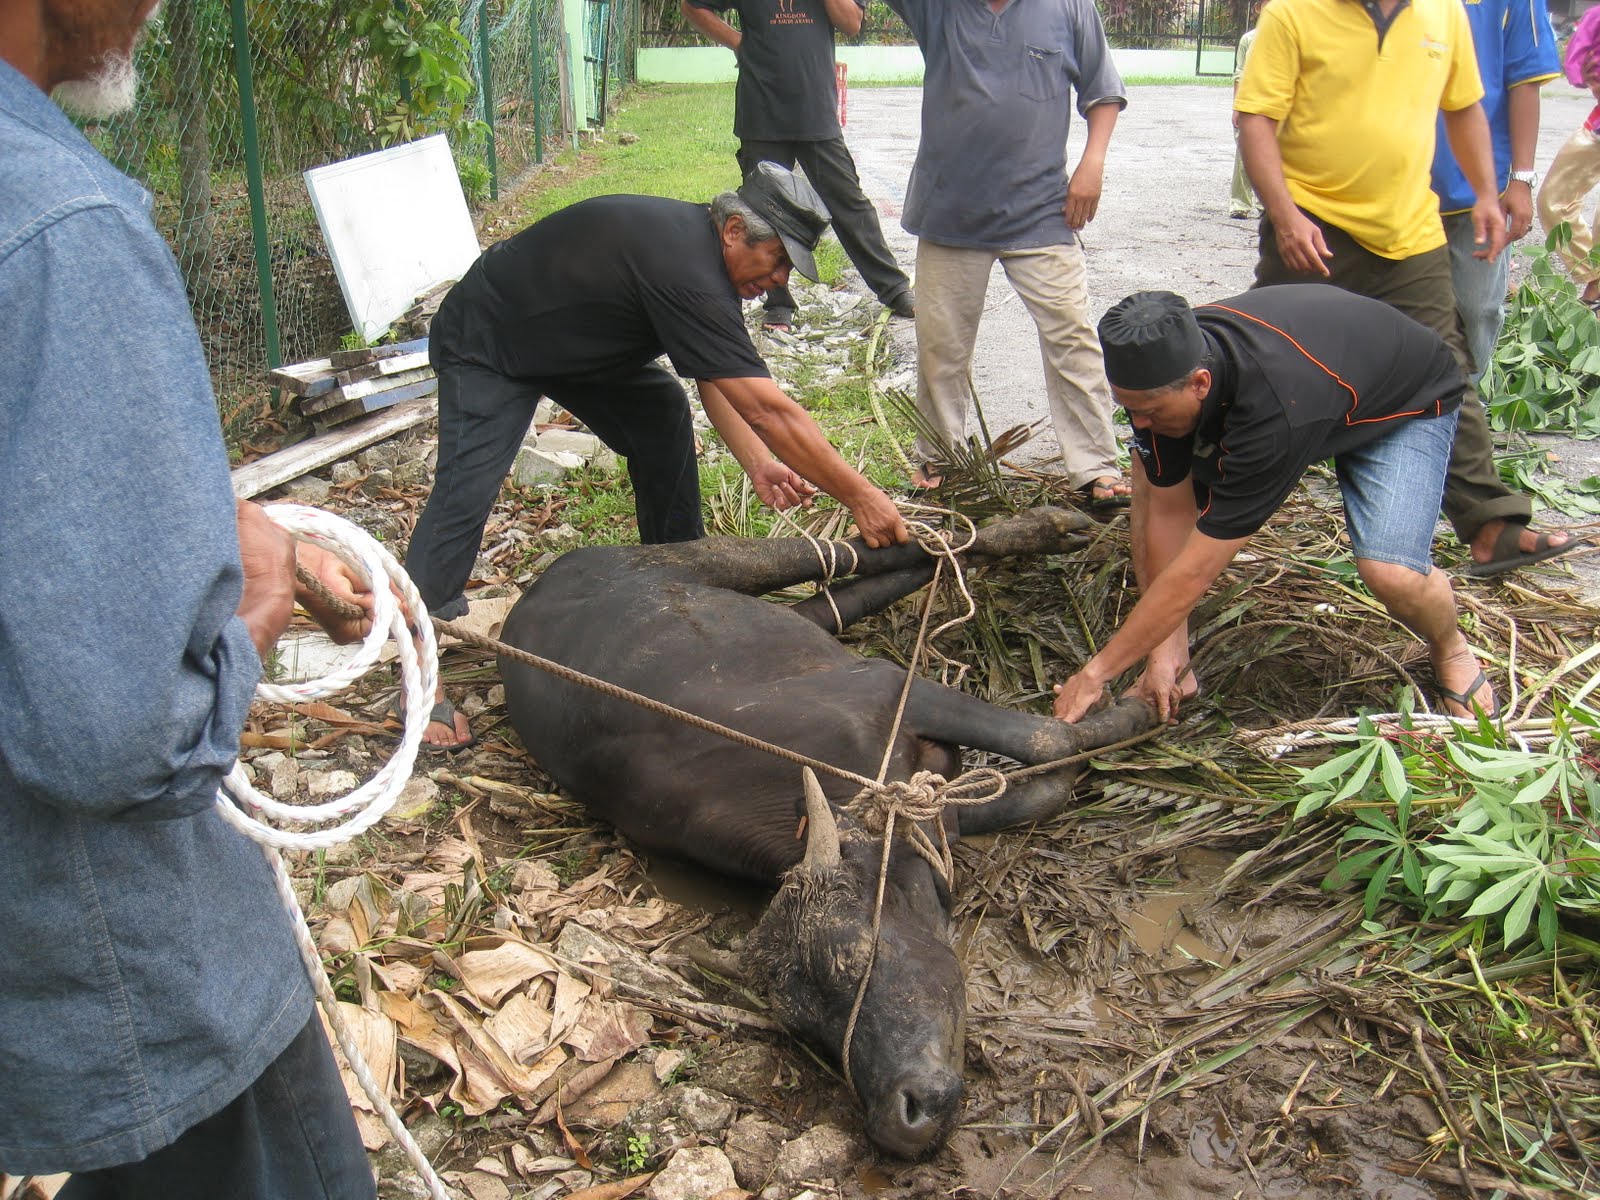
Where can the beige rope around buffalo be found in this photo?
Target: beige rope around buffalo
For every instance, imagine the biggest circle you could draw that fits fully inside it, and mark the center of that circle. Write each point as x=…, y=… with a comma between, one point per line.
x=881, y=807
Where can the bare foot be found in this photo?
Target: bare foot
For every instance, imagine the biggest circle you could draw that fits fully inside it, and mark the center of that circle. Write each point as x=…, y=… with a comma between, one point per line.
x=923, y=479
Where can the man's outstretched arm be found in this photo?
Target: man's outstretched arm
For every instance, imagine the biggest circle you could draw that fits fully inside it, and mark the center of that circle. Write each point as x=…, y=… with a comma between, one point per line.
x=1161, y=611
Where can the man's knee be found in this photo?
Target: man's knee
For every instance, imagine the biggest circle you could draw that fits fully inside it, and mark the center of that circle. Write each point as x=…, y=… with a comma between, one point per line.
x=1422, y=601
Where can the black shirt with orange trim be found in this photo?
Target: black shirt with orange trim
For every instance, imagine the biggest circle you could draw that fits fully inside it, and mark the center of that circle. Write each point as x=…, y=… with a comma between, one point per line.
x=1300, y=373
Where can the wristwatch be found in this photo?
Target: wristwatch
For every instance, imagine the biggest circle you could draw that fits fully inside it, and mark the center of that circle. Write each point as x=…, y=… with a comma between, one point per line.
x=1527, y=177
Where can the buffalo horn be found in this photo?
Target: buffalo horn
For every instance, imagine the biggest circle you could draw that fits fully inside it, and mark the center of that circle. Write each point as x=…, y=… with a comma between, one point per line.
x=822, y=833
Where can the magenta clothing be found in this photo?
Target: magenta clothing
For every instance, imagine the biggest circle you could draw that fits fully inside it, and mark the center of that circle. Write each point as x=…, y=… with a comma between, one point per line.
x=1592, y=121
x=1583, y=48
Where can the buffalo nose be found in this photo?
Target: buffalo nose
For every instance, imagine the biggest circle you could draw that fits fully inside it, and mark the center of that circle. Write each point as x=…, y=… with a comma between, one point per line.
x=918, y=1114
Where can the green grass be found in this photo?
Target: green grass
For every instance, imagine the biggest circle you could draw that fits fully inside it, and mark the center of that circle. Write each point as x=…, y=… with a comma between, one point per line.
x=1177, y=81
x=685, y=150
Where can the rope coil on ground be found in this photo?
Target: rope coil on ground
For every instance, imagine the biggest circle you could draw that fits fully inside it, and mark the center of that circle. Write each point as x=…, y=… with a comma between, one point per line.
x=248, y=810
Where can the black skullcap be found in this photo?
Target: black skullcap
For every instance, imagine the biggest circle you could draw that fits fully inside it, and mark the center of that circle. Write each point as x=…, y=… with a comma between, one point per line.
x=1150, y=339
x=792, y=207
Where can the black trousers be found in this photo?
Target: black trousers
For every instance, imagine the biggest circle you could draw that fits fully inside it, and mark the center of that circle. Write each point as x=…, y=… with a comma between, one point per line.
x=483, y=417
x=289, y=1136
x=1420, y=287
x=832, y=172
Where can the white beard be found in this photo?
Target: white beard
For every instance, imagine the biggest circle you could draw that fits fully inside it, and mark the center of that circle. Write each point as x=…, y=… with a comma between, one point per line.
x=112, y=89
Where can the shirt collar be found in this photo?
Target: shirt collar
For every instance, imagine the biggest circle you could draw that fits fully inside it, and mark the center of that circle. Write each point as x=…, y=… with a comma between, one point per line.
x=23, y=99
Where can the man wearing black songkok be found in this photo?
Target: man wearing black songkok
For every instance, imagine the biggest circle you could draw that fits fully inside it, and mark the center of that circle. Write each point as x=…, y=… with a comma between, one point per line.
x=1231, y=403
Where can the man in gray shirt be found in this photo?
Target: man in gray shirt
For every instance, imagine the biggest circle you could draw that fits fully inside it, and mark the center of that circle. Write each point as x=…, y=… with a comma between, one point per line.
x=990, y=182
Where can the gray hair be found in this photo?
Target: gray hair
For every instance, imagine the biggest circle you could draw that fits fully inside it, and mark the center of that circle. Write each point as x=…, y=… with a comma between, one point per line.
x=1207, y=362
x=756, y=227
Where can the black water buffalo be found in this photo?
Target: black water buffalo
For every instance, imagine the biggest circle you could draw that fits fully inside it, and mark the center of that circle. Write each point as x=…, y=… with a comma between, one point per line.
x=684, y=624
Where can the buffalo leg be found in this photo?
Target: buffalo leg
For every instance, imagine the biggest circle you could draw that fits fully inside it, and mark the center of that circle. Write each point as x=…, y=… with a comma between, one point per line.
x=945, y=715
x=861, y=597
x=757, y=566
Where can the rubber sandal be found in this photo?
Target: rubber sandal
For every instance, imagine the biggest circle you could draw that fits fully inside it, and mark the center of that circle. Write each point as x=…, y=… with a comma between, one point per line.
x=1105, y=503
x=1465, y=697
x=1508, y=556
x=445, y=714
x=778, y=320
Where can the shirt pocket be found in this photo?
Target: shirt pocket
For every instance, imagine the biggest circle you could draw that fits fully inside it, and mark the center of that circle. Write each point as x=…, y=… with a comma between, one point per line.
x=1041, y=73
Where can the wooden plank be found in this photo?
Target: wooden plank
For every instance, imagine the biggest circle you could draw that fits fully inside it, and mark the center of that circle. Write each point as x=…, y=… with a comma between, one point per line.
x=315, y=377
x=265, y=473
x=369, y=387
x=351, y=409
x=312, y=378
x=341, y=359
x=311, y=405
x=383, y=366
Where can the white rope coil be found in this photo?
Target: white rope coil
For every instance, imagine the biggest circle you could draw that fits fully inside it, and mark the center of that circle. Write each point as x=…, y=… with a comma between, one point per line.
x=364, y=807
x=367, y=805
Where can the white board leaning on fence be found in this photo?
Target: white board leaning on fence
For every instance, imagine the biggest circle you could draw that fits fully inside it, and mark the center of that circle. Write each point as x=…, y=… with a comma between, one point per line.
x=395, y=223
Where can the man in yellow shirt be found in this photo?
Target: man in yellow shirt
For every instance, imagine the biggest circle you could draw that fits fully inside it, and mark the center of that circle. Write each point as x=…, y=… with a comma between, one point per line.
x=1338, y=109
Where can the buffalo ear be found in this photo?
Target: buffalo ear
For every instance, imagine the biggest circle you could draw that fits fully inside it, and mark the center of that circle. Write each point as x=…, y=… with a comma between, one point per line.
x=822, y=832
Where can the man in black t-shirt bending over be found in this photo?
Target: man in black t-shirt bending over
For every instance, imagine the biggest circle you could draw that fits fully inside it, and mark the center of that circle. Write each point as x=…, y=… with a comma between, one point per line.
x=578, y=307
x=1230, y=404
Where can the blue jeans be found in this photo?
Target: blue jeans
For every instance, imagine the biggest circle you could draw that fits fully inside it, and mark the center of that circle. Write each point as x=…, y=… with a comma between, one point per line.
x=1480, y=291
x=1391, y=490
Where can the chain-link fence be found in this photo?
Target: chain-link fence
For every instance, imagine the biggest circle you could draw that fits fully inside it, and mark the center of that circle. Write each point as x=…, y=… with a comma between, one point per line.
x=239, y=97
x=1134, y=24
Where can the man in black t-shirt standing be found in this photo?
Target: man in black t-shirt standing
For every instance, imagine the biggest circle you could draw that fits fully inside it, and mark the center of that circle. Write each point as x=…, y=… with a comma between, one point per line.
x=785, y=110
x=1231, y=403
x=577, y=307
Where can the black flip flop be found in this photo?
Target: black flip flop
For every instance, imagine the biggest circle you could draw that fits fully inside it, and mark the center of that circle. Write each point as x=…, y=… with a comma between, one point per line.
x=1508, y=556
x=1465, y=697
x=445, y=714
x=1104, y=503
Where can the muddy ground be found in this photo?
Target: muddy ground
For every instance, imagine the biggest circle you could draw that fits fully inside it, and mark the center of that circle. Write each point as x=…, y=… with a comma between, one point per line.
x=1133, y=961
x=1150, y=967
x=1144, y=966
x=1129, y=951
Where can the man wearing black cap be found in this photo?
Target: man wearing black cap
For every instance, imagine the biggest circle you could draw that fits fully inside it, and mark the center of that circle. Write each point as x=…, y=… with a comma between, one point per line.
x=578, y=307
x=1234, y=401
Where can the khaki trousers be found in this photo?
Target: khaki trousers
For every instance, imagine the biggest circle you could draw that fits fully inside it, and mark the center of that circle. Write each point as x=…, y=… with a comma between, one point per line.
x=1572, y=176
x=1050, y=281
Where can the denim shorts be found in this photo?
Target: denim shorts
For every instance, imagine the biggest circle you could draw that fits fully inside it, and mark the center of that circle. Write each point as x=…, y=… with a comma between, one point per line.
x=1392, y=488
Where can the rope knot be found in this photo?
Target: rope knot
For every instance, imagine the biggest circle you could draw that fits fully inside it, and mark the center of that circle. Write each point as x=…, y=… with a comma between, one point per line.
x=920, y=798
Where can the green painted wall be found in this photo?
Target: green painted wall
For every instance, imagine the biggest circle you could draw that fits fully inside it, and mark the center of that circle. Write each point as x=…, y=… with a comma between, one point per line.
x=898, y=64
x=579, y=71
